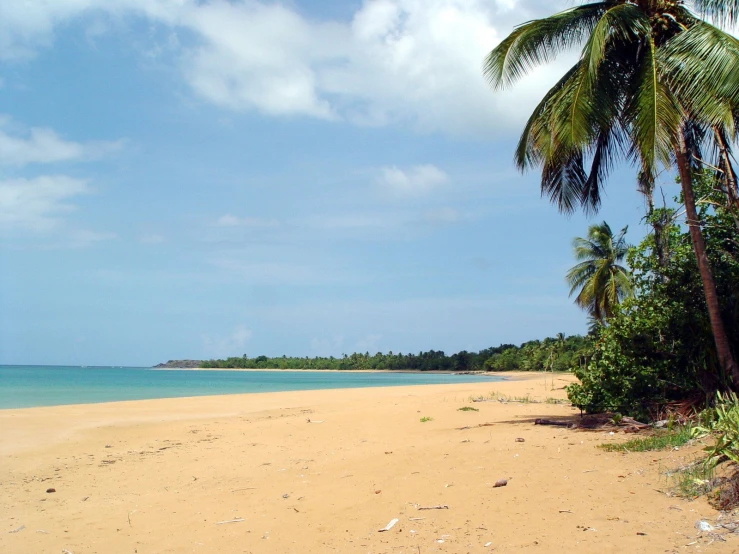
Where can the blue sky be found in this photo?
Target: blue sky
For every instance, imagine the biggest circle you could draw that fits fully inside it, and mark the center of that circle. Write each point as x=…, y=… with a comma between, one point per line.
x=196, y=179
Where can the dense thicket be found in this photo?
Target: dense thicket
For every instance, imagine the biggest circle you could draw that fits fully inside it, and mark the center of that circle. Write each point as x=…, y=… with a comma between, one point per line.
x=658, y=346
x=557, y=353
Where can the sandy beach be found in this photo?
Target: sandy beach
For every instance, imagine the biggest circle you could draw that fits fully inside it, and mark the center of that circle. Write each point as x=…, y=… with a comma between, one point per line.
x=323, y=471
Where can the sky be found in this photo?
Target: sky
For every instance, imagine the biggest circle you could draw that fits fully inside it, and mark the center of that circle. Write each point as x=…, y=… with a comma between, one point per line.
x=203, y=178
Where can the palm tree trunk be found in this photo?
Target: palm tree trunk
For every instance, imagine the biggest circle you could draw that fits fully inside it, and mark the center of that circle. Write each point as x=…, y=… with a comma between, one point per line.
x=723, y=350
x=732, y=190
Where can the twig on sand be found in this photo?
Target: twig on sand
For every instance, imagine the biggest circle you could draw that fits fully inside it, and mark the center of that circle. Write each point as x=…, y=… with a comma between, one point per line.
x=18, y=530
x=129, y=518
x=416, y=518
x=440, y=507
x=245, y=489
x=478, y=425
x=389, y=526
x=237, y=520
x=565, y=511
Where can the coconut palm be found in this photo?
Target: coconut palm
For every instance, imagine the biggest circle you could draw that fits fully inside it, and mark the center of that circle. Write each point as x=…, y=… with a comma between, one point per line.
x=600, y=280
x=654, y=82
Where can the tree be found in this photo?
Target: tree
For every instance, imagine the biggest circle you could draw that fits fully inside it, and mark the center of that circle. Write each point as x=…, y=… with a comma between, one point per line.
x=653, y=83
x=658, y=345
x=600, y=278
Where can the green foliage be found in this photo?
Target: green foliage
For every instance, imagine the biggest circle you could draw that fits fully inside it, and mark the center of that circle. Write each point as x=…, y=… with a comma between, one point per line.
x=551, y=354
x=643, y=68
x=425, y=419
x=658, y=441
x=658, y=346
x=467, y=409
x=722, y=421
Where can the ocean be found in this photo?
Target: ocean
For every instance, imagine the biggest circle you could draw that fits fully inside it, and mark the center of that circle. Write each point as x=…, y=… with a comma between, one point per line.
x=31, y=386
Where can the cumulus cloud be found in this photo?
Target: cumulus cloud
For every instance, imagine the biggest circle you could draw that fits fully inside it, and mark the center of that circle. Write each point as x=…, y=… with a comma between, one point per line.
x=414, y=61
x=414, y=181
x=37, y=204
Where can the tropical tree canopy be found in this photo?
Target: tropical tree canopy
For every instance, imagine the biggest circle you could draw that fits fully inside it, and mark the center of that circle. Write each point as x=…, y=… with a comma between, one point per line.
x=653, y=85
x=600, y=280
x=646, y=68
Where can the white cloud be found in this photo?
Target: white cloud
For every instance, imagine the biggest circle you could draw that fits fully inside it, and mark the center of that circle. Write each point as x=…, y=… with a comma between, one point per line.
x=152, y=238
x=326, y=347
x=415, y=181
x=370, y=343
x=441, y=216
x=408, y=61
x=229, y=220
x=259, y=269
x=229, y=345
x=37, y=204
x=44, y=146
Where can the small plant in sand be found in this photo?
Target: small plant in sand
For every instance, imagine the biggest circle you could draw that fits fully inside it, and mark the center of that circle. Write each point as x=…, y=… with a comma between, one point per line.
x=658, y=441
x=425, y=419
x=503, y=398
x=551, y=400
x=467, y=409
x=693, y=480
x=722, y=421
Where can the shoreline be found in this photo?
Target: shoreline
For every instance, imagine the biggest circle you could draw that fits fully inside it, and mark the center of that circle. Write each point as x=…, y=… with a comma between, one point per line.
x=324, y=470
x=248, y=369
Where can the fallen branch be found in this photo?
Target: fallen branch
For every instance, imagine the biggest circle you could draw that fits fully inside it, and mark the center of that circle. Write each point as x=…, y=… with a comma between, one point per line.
x=540, y=421
x=440, y=507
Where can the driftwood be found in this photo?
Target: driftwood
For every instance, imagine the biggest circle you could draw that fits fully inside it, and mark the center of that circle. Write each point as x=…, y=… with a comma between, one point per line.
x=440, y=507
x=540, y=421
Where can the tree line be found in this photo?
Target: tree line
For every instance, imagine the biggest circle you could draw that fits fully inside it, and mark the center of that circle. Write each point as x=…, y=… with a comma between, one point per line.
x=558, y=353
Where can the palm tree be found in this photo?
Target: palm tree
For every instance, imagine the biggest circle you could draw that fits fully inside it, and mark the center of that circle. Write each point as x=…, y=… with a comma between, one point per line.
x=599, y=280
x=654, y=82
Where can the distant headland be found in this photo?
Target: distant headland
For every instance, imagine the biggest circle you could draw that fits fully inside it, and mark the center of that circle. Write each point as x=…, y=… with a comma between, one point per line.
x=179, y=364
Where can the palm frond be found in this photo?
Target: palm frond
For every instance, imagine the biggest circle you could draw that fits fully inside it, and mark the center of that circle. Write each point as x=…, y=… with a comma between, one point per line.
x=621, y=24
x=563, y=180
x=536, y=136
x=653, y=113
x=723, y=12
x=701, y=66
x=539, y=41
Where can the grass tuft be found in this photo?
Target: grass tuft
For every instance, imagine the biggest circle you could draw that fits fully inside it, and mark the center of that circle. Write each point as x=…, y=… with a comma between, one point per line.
x=425, y=419
x=692, y=481
x=658, y=441
x=467, y=409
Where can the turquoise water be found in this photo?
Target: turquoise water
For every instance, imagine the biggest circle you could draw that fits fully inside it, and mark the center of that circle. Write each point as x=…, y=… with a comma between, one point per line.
x=29, y=386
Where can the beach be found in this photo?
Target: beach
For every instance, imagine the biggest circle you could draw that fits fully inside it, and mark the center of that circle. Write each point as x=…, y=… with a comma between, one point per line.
x=324, y=471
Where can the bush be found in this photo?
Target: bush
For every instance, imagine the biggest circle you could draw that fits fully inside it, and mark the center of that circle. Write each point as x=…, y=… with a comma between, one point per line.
x=658, y=346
